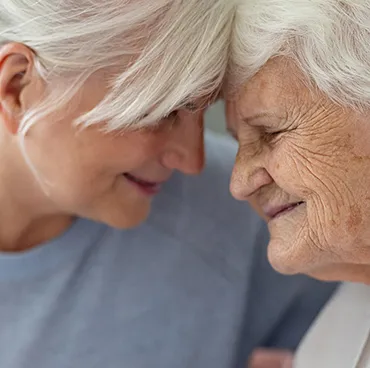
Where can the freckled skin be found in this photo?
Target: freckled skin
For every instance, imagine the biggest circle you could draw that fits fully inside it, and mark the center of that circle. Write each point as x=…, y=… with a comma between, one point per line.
x=307, y=149
x=354, y=219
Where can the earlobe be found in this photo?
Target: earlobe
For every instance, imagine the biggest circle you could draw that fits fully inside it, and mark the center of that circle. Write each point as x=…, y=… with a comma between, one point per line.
x=8, y=120
x=15, y=74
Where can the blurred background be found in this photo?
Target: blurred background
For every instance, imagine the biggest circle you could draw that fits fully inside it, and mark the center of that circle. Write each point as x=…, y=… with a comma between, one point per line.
x=215, y=118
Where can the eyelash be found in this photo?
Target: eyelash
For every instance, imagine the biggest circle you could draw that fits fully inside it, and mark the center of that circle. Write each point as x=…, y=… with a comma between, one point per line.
x=174, y=114
x=269, y=136
x=272, y=133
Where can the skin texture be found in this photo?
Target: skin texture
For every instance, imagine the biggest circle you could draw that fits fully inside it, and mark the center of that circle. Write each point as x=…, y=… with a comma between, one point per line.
x=79, y=172
x=298, y=146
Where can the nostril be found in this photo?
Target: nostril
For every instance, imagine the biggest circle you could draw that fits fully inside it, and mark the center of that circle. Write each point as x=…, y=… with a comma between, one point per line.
x=238, y=189
x=245, y=182
x=171, y=160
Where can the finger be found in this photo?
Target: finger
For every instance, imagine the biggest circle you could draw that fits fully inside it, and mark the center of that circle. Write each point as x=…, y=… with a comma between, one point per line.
x=270, y=358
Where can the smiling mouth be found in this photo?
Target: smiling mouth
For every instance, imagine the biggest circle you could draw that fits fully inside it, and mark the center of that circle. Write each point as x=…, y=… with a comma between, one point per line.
x=275, y=212
x=147, y=187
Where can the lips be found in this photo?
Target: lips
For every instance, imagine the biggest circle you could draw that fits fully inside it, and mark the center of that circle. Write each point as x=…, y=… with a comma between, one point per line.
x=148, y=187
x=273, y=212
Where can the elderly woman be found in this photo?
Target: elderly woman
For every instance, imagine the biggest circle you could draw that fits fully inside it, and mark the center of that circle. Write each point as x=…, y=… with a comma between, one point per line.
x=100, y=101
x=301, y=116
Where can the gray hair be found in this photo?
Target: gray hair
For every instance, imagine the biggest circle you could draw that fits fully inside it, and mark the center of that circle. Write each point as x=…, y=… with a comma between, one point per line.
x=173, y=51
x=328, y=39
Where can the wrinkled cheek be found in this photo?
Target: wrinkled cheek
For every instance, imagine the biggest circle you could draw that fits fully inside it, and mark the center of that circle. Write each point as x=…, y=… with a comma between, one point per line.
x=345, y=236
x=302, y=243
x=287, y=174
x=302, y=170
x=290, y=248
x=331, y=238
x=334, y=212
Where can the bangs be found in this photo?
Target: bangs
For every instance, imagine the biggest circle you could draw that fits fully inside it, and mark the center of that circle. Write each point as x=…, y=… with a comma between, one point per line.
x=184, y=60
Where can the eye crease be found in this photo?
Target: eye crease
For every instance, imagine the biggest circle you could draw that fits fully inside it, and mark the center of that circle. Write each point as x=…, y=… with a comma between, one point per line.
x=191, y=107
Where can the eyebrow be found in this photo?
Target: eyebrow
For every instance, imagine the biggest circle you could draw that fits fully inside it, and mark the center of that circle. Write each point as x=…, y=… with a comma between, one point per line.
x=250, y=119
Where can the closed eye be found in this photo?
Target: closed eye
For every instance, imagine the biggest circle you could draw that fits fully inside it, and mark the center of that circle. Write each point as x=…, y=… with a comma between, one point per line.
x=191, y=107
x=172, y=115
x=269, y=136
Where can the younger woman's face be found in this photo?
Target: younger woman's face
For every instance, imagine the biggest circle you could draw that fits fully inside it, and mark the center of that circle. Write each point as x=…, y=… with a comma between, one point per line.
x=111, y=178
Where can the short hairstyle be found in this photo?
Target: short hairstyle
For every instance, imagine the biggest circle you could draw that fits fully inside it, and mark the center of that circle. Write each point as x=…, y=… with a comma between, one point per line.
x=166, y=53
x=328, y=39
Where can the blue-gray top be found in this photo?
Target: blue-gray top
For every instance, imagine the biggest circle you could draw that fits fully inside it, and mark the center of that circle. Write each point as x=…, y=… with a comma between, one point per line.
x=189, y=288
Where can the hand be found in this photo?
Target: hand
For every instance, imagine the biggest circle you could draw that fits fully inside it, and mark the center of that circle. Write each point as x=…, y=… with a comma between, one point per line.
x=271, y=358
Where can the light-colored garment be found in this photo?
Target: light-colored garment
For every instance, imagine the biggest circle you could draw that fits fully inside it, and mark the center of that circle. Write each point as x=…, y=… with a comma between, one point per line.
x=191, y=288
x=340, y=337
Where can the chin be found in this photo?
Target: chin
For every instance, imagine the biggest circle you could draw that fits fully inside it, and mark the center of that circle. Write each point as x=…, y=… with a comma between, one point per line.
x=280, y=260
x=288, y=256
x=288, y=251
x=126, y=219
x=127, y=223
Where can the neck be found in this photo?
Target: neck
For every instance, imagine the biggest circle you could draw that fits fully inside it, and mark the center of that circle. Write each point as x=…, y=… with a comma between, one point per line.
x=27, y=218
x=26, y=233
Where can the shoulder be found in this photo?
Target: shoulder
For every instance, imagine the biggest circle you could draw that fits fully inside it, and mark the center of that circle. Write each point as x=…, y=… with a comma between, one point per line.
x=327, y=343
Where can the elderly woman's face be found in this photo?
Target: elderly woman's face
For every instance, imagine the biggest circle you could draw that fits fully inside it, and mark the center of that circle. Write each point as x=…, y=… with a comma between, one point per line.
x=304, y=164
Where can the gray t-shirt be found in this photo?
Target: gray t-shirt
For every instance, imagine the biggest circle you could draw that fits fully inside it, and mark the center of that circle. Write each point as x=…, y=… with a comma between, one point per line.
x=173, y=293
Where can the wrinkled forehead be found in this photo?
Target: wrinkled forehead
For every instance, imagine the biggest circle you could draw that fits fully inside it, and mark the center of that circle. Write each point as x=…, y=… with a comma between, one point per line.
x=277, y=86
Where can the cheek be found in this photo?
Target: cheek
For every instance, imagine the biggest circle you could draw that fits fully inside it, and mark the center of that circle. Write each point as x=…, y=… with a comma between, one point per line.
x=302, y=173
x=334, y=186
x=288, y=169
x=70, y=173
x=301, y=169
x=77, y=185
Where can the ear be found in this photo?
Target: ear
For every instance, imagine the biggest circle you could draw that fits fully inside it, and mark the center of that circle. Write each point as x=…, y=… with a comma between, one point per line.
x=16, y=78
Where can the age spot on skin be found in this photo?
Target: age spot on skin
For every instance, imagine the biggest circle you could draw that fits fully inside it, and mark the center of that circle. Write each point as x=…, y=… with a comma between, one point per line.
x=354, y=219
x=360, y=159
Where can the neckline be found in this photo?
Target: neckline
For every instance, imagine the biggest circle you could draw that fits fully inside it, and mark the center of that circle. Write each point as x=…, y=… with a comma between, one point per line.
x=80, y=235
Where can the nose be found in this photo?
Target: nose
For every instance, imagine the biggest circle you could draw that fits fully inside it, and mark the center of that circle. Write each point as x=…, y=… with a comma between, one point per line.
x=185, y=149
x=249, y=174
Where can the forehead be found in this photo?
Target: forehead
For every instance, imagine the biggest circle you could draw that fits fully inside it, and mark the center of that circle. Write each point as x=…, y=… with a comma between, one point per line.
x=278, y=86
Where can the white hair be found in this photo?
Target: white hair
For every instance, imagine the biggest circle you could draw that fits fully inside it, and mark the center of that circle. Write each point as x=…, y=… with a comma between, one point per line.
x=328, y=39
x=166, y=53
